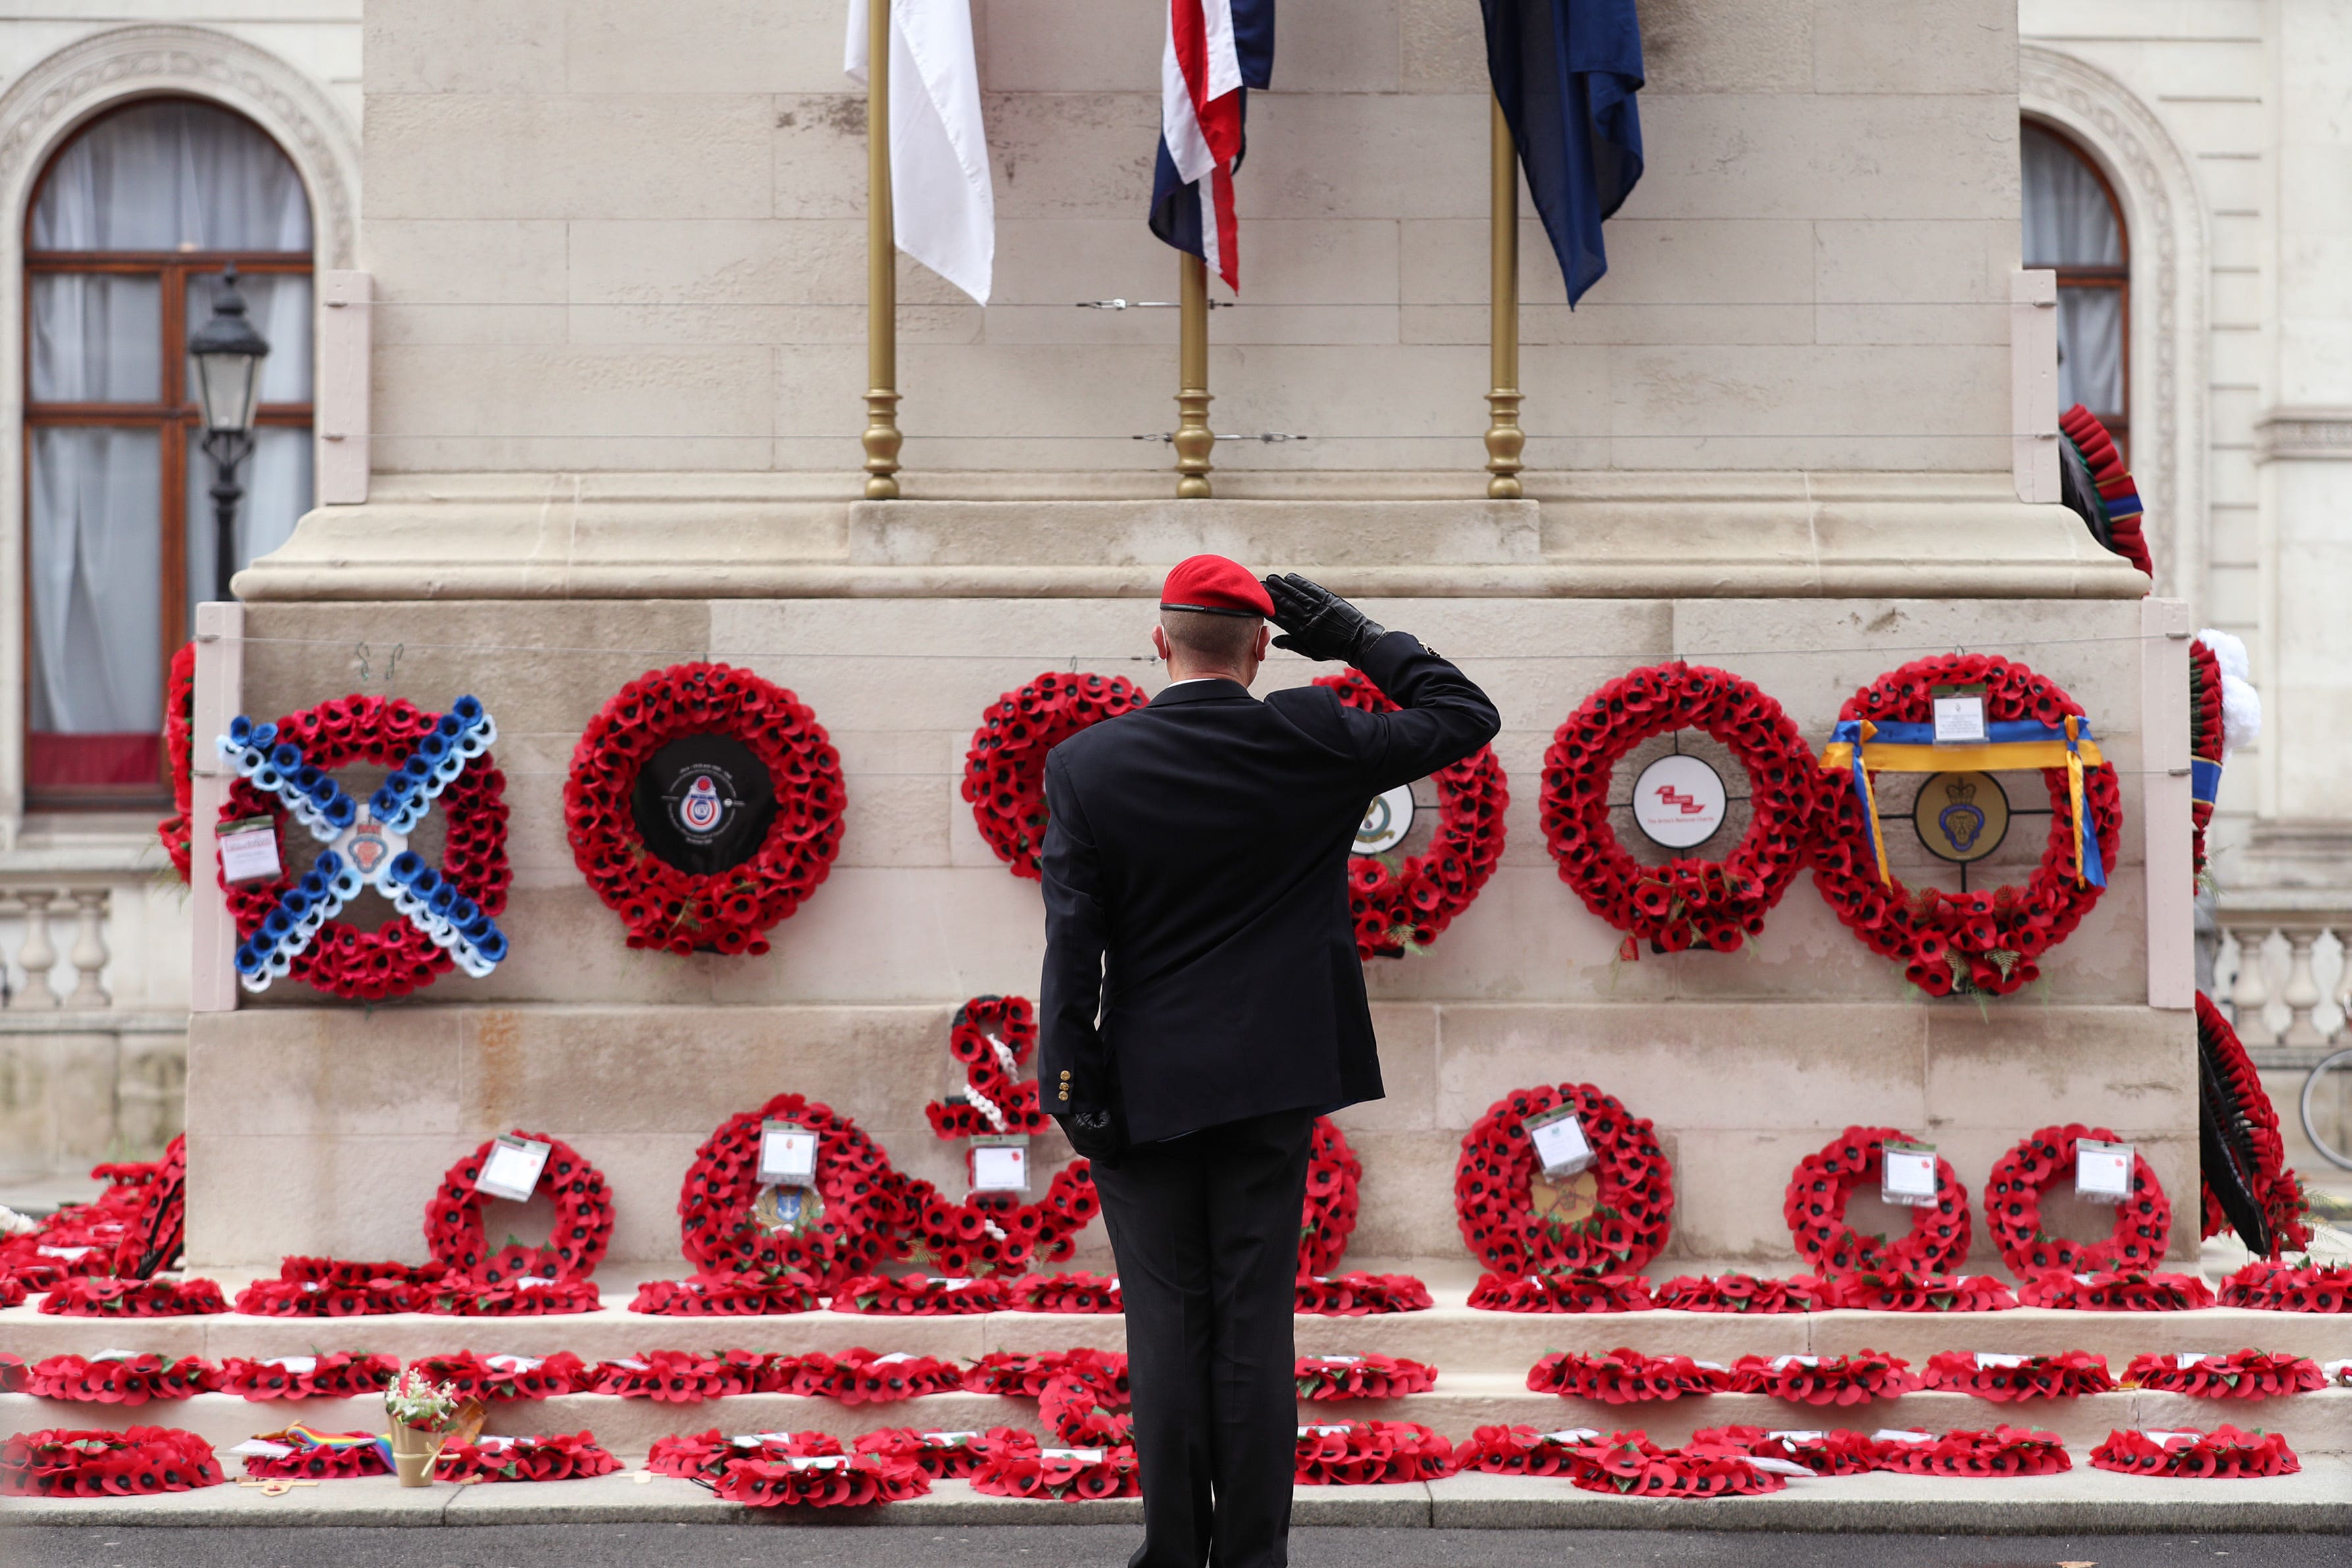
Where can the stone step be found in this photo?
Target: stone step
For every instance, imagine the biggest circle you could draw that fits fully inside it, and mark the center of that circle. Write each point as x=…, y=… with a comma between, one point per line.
x=2082, y=1502
x=1450, y=1336
x=2316, y=1423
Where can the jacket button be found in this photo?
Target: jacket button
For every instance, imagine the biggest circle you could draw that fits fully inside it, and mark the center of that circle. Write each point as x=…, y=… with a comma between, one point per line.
x=1066, y=1092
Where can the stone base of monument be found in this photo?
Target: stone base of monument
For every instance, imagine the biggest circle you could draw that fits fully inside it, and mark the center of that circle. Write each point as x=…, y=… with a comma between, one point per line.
x=1481, y=1359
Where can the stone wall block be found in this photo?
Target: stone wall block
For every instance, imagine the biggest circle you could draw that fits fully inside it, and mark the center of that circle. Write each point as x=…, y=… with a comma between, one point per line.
x=541, y=668
x=1919, y=260
x=648, y=1070
x=581, y=392
x=623, y=155
x=1791, y=156
x=713, y=46
x=2057, y=1065
x=325, y=1072
x=1075, y=154
x=1865, y=46
x=1414, y=155
x=1407, y=1196
x=483, y=262
x=1693, y=1067
x=895, y=936
x=720, y=261
x=1443, y=48
x=1693, y=47
x=432, y=48
x=1808, y=390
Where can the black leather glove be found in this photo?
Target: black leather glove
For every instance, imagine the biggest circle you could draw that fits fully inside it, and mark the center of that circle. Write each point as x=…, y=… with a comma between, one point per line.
x=1095, y=1133
x=1319, y=624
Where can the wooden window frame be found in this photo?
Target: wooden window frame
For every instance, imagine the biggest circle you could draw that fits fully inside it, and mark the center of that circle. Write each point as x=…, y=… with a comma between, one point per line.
x=176, y=416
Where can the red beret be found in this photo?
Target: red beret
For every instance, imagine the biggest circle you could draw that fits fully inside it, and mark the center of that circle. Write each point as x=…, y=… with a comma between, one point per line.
x=1219, y=586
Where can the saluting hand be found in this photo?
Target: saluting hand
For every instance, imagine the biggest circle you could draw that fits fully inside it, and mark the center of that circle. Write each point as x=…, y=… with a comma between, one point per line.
x=1318, y=624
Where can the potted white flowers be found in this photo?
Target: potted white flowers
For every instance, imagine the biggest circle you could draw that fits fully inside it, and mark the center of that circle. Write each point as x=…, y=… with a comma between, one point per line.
x=423, y=1414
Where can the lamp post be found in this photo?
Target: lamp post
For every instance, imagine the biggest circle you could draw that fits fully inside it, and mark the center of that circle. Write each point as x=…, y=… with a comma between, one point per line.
x=228, y=354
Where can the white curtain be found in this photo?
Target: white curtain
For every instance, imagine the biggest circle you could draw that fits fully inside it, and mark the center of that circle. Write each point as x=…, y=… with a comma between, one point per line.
x=97, y=540
x=172, y=176
x=277, y=484
x=2068, y=219
x=2091, y=349
x=163, y=176
x=97, y=338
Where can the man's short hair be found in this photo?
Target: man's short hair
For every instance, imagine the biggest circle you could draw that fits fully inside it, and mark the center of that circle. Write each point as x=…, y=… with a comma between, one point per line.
x=1209, y=637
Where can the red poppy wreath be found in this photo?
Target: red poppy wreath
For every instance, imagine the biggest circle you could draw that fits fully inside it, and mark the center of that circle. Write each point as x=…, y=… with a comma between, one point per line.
x=1634, y=1200
x=1004, y=771
x=179, y=756
x=731, y=1224
x=2285, y=1205
x=1685, y=903
x=1987, y=942
x=1404, y=902
x=992, y=1230
x=584, y=1214
x=401, y=954
x=1815, y=1204
x=727, y=909
x=2013, y=1209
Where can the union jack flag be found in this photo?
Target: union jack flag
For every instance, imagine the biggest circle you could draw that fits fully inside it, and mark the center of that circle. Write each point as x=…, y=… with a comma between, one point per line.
x=1217, y=49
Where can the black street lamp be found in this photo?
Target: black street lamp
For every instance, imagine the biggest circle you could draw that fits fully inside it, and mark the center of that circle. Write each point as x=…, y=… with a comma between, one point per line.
x=228, y=354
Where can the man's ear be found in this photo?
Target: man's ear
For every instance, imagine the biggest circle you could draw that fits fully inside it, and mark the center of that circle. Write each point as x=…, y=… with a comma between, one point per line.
x=1160, y=641
x=1264, y=640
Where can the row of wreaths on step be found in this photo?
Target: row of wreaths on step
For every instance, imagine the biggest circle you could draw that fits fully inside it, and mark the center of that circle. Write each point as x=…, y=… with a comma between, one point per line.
x=744, y=816
x=760, y=1244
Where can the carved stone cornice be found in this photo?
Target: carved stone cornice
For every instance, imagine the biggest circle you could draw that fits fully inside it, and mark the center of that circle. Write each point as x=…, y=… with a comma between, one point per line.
x=2303, y=435
x=94, y=73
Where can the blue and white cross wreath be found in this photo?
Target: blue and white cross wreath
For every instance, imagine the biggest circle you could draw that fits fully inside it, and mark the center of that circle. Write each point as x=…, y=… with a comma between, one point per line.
x=367, y=844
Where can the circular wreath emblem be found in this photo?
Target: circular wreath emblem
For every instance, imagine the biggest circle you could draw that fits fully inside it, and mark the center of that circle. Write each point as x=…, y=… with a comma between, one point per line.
x=731, y=1224
x=1400, y=904
x=1004, y=771
x=1333, y=1175
x=727, y=912
x=2013, y=1209
x=397, y=957
x=1986, y=942
x=1815, y=1205
x=1632, y=1201
x=584, y=1212
x=1686, y=902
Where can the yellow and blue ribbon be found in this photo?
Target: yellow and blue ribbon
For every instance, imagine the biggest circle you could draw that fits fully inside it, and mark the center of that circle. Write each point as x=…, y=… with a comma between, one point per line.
x=1860, y=747
x=305, y=1437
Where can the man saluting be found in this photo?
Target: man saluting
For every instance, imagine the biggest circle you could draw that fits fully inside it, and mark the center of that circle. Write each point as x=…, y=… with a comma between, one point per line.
x=1204, y=1004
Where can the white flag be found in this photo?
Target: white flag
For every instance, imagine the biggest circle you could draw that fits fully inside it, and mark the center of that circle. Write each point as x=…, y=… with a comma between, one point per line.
x=943, y=204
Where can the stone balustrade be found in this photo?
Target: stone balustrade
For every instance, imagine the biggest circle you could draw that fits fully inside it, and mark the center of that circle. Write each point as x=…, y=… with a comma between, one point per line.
x=93, y=1020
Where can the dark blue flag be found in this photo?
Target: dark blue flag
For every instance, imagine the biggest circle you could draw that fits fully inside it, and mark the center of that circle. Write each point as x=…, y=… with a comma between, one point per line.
x=1566, y=72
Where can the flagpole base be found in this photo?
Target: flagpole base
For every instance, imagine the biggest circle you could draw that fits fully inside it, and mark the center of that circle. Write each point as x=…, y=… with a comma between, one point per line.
x=1194, y=442
x=1504, y=443
x=883, y=438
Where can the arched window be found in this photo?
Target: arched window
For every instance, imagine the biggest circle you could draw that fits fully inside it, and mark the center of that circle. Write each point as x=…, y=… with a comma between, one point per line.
x=130, y=228
x=2075, y=225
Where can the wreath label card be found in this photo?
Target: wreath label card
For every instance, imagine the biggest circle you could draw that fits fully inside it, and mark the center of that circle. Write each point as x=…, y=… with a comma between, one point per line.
x=1959, y=714
x=2103, y=1171
x=787, y=1154
x=248, y=849
x=512, y=1170
x=1907, y=1176
x=999, y=1163
x=1561, y=1144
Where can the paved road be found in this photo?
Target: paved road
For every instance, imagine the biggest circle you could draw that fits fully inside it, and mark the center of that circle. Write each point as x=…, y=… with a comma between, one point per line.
x=1106, y=1546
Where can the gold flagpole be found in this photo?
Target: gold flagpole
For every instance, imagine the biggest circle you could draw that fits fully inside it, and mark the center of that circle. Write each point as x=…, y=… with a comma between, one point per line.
x=1504, y=440
x=882, y=435
x=1194, y=440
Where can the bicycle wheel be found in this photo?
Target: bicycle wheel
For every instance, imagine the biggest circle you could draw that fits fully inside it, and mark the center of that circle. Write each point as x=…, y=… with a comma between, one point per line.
x=2328, y=1108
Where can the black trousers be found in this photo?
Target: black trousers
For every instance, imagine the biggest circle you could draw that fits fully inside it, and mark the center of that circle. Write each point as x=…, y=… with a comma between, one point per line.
x=1205, y=1228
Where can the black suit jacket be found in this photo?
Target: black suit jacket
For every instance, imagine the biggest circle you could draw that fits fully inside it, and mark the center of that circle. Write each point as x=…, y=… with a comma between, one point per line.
x=1196, y=892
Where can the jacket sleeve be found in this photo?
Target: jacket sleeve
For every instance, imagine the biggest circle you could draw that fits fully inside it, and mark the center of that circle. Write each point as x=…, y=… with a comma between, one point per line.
x=1076, y=937
x=1442, y=716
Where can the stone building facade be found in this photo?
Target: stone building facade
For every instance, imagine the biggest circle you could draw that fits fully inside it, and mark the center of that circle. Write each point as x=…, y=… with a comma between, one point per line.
x=615, y=353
